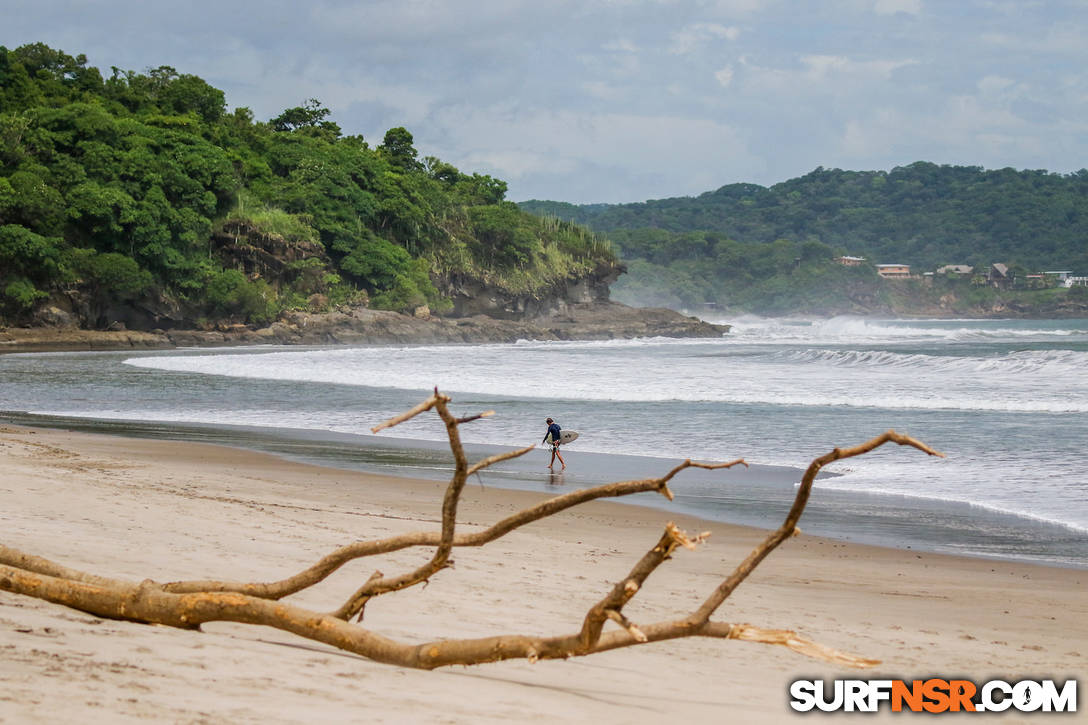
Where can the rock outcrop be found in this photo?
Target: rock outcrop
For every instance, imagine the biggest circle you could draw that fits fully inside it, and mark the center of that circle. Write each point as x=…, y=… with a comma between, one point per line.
x=475, y=297
x=261, y=255
x=363, y=326
x=567, y=309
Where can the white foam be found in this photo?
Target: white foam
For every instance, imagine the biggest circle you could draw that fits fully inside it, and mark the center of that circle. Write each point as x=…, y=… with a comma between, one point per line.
x=670, y=370
x=1005, y=383
x=857, y=330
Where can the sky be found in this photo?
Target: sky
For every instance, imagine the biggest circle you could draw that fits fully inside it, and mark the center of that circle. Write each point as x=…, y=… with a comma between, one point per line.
x=614, y=101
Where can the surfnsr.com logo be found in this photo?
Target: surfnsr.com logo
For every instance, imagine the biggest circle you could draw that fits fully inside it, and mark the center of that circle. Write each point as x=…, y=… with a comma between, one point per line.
x=933, y=695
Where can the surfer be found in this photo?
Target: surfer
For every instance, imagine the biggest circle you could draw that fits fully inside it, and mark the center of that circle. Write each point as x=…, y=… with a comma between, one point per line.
x=553, y=434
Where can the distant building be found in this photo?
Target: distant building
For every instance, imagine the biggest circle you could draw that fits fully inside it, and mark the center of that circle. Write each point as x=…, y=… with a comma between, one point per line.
x=1061, y=275
x=850, y=261
x=893, y=271
x=959, y=270
x=1075, y=282
x=1000, y=276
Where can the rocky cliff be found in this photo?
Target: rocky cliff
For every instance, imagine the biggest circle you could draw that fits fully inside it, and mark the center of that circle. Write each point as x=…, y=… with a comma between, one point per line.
x=565, y=309
x=478, y=297
x=592, y=321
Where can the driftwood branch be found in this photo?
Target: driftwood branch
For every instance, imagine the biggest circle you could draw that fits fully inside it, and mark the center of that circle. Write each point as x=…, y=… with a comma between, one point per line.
x=338, y=558
x=789, y=525
x=188, y=604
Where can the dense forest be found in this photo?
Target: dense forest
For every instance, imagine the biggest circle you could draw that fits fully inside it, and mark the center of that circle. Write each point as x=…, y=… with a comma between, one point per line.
x=139, y=196
x=771, y=249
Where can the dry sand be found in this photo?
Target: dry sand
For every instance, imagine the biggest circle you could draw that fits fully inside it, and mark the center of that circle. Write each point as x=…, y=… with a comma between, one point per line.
x=140, y=509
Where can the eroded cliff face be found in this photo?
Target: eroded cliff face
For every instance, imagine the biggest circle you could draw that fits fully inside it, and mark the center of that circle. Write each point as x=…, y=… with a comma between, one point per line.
x=362, y=326
x=266, y=256
x=237, y=245
x=473, y=297
x=568, y=308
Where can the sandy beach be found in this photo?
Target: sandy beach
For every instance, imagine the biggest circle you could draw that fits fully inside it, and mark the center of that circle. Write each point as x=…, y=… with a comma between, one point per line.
x=164, y=510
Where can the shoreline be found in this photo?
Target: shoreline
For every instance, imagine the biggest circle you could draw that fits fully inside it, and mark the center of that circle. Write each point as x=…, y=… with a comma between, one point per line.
x=364, y=326
x=166, y=510
x=602, y=321
x=757, y=496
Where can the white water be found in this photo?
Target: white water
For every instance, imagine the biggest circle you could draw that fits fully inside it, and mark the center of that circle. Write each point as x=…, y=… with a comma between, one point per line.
x=1004, y=399
x=658, y=370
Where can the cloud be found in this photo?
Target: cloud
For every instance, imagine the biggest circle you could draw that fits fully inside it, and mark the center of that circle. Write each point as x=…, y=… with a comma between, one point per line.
x=822, y=66
x=993, y=85
x=821, y=78
x=686, y=155
x=724, y=76
x=604, y=91
x=891, y=7
x=991, y=131
x=619, y=100
x=620, y=45
x=733, y=8
x=1067, y=39
x=691, y=37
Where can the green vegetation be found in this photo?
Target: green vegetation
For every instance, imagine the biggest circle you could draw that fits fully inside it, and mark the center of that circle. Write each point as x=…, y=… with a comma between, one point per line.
x=140, y=191
x=691, y=269
x=770, y=250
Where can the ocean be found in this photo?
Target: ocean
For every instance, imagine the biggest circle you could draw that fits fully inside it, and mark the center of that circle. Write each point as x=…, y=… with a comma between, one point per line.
x=1005, y=400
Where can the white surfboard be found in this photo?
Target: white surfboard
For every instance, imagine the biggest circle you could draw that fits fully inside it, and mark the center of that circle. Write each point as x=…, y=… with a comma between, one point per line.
x=567, y=436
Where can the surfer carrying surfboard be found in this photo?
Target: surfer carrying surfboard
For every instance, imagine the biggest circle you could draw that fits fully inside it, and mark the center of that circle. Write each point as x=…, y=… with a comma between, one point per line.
x=554, y=435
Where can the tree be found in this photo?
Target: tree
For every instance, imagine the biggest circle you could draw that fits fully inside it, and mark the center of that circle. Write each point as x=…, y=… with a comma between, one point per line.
x=231, y=294
x=18, y=91
x=439, y=170
x=374, y=262
x=189, y=604
x=26, y=254
x=111, y=278
x=13, y=127
x=504, y=237
x=397, y=147
x=33, y=202
x=481, y=189
x=310, y=115
x=190, y=94
x=28, y=261
x=148, y=165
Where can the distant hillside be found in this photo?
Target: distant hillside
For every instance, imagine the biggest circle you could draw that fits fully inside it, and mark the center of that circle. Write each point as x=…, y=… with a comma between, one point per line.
x=756, y=248
x=922, y=214
x=138, y=199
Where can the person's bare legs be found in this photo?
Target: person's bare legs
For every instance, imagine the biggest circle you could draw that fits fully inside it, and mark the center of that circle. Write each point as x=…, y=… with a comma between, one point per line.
x=557, y=454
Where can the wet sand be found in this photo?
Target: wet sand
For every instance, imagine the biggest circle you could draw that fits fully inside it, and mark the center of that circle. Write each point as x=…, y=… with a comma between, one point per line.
x=167, y=510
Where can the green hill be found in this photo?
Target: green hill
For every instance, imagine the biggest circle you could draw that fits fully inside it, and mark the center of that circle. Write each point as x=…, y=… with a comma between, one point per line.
x=138, y=197
x=770, y=249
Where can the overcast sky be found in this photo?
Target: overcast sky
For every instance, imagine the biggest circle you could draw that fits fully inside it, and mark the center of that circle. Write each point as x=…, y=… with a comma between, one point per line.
x=628, y=100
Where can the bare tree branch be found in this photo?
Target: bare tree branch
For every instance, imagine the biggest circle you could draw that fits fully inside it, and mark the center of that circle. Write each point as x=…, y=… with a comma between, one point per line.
x=789, y=525
x=147, y=603
x=333, y=561
x=498, y=458
x=408, y=415
x=190, y=604
x=469, y=419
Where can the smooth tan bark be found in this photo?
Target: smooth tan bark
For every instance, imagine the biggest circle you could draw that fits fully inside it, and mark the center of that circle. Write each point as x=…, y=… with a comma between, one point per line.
x=189, y=604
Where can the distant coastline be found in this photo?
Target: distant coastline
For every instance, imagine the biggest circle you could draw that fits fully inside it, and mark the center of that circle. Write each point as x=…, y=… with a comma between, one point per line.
x=363, y=326
x=850, y=293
